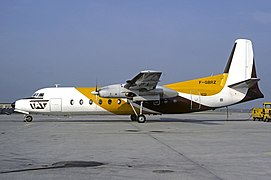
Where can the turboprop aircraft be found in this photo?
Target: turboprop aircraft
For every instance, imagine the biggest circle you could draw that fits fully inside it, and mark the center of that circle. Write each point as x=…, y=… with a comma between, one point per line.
x=142, y=95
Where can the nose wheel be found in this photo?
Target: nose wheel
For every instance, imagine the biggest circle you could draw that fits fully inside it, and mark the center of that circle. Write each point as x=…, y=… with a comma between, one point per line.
x=28, y=118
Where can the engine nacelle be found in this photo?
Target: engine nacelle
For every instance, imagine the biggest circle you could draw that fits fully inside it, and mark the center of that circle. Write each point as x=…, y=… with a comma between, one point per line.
x=167, y=93
x=112, y=91
x=119, y=91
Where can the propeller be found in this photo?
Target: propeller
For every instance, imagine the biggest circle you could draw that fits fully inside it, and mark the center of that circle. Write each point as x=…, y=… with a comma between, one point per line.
x=96, y=92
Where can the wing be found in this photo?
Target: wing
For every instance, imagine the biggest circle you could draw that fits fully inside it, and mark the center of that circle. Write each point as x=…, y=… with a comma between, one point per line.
x=145, y=80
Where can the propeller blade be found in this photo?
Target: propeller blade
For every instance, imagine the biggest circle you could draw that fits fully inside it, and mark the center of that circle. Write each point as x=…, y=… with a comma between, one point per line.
x=96, y=86
x=96, y=92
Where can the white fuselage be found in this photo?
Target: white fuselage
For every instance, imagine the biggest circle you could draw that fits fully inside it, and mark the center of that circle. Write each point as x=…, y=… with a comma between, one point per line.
x=59, y=101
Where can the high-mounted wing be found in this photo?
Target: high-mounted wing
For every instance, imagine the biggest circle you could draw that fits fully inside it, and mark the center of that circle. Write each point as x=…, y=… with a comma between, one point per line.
x=145, y=80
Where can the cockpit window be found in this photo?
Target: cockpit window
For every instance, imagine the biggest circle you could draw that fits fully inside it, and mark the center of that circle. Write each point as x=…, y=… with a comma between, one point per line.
x=38, y=95
x=35, y=95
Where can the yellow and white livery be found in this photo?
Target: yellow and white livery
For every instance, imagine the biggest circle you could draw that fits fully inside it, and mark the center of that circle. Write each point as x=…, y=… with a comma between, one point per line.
x=142, y=95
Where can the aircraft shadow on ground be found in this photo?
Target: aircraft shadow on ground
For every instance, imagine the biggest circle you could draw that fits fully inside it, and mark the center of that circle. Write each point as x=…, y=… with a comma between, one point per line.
x=199, y=121
x=165, y=120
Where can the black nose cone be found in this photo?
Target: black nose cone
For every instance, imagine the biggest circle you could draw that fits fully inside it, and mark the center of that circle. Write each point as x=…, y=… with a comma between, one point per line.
x=13, y=105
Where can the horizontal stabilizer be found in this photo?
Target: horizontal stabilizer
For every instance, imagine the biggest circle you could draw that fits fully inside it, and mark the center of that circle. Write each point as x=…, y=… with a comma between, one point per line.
x=245, y=84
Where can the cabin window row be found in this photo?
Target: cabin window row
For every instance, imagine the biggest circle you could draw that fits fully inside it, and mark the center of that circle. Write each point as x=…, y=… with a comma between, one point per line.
x=100, y=101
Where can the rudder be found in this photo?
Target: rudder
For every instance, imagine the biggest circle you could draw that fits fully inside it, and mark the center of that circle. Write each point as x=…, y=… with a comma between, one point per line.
x=240, y=63
x=241, y=70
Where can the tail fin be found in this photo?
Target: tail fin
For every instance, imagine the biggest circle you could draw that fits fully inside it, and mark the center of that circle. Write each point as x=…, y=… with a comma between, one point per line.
x=241, y=69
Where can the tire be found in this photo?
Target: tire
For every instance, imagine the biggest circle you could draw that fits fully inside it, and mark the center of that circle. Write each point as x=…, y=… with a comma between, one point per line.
x=28, y=118
x=141, y=119
x=133, y=117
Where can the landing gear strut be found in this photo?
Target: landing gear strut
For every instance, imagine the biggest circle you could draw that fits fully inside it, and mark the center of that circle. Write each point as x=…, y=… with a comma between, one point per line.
x=135, y=117
x=28, y=118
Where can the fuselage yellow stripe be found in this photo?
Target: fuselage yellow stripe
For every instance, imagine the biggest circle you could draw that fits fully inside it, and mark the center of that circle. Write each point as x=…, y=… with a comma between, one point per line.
x=205, y=86
x=113, y=105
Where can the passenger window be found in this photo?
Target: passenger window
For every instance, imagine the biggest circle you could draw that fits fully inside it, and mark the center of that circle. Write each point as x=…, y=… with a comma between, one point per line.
x=90, y=101
x=156, y=103
x=119, y=101
x=109, y=101
x=72, y=102
x=100, y=101
x=81, y=102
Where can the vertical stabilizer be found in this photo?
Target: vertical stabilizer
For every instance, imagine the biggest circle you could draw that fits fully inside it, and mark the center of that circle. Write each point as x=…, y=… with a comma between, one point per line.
x=241, y=70
x=240, y=63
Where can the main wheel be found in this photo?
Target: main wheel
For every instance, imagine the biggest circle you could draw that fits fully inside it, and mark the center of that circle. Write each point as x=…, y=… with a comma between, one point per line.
x=28, y=118
x=133, y=117
x=141, y=118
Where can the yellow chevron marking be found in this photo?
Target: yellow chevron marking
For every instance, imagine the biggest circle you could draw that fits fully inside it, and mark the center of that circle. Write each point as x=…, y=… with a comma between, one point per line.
x=114, y=107
x=205, y=86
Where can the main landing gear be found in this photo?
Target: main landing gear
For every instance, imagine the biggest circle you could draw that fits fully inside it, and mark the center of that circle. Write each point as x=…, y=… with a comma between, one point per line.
x=140, y=118
x=28, y=118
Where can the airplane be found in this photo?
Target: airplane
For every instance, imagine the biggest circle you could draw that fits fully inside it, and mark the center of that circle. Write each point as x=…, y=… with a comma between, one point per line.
x=142, y=95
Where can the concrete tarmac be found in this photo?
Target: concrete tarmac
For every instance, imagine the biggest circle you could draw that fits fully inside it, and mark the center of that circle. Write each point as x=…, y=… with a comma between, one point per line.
x=192, y=146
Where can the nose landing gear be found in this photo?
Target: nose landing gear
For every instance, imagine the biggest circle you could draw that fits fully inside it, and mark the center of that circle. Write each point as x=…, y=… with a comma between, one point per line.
x=28, y=118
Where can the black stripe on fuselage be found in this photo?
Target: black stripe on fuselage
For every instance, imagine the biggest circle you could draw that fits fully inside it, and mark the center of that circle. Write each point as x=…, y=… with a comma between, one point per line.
x=175, y=105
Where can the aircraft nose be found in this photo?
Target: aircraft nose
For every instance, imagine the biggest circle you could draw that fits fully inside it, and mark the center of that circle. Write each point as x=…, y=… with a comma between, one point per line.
x=13, y=105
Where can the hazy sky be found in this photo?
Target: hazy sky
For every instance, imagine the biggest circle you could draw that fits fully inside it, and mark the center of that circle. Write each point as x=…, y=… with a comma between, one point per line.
x=73, y=43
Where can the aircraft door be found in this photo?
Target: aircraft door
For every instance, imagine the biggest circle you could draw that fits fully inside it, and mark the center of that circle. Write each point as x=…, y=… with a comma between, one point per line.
x=56, y=105
x=195, y=99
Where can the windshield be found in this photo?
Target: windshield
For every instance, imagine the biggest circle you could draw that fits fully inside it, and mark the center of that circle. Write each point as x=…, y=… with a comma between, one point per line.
x=38, y=95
